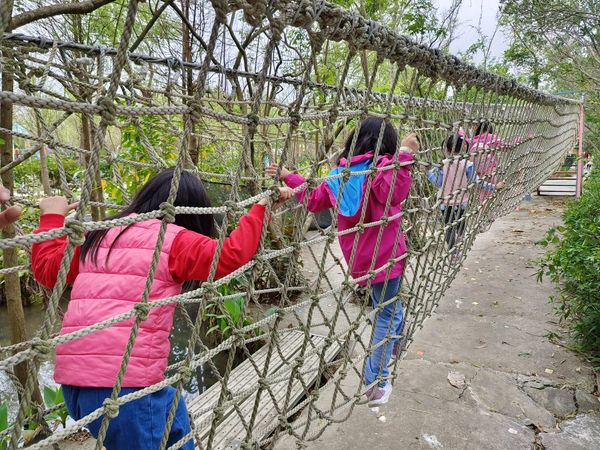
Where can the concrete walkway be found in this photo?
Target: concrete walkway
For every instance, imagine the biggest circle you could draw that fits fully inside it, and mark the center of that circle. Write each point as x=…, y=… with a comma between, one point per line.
x=489, y=370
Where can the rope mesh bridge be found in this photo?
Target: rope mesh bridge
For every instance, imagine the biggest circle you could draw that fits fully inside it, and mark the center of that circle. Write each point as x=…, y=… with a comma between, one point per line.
x=267, y=88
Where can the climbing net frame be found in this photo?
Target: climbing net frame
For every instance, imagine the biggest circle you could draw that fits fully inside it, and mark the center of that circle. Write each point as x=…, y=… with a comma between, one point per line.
x=245, y=112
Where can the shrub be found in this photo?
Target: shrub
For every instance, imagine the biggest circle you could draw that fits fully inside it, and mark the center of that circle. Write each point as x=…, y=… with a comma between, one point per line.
x=573, y=264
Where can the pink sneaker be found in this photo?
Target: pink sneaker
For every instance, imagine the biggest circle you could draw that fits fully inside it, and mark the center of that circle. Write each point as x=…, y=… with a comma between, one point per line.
x=379, y=395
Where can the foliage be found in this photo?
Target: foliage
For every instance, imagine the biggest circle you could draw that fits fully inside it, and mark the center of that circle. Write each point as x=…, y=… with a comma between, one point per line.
x=28, y=173
x=555, y=45
x=134, y=148
x=3, y=426
x=573, y=264
x=223, y=316
x=54, y=398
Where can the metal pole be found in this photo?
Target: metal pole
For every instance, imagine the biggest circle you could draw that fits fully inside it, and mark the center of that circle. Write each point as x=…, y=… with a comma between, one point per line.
x=580, y=153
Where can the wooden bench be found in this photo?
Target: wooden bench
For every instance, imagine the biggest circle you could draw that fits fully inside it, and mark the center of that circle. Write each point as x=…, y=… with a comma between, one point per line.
x=231, y=432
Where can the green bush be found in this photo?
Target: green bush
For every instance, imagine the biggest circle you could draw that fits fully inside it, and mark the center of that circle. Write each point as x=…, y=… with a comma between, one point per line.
x=573, y=264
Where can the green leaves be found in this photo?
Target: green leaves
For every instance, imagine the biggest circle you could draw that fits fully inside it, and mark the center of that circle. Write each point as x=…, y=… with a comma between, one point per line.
x=226, y=314
x=573, y=264
x=3, y=426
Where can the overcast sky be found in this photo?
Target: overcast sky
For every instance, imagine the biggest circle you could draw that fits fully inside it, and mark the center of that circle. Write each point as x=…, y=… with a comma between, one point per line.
x=468, y=19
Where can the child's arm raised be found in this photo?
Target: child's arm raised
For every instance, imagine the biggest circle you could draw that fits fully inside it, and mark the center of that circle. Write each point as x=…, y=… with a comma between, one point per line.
x=319, y=198
x=47, y=256
x=192, y=254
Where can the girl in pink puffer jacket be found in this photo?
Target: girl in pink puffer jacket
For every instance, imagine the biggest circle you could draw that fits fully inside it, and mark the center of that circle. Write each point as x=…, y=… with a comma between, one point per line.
x=108, y=274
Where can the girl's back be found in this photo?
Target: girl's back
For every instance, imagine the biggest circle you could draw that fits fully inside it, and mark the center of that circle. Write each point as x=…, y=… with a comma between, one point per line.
x=455, y=182
x=112, y=286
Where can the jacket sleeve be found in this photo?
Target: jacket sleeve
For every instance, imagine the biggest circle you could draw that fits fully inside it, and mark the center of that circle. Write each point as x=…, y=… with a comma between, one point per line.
x=47, y=256
x=319, y=198
x=192, y=254
x=382, y=184
x=435, y=177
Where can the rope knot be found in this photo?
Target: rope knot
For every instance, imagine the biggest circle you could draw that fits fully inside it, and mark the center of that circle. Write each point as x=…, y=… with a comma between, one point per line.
x=75, y=231
x=168, y=212
x=264, y=384
x=295, y=118
x=346, y=174
x=253, y=121
x=317, y=39
x=185, y=374
x=254, y=11
x=221, y=9
x=231, y=206
x=195, y=109
x=333, y=113
x=111, y=408
x=142, y=310
x=259, y=258
x=108, y=110
x=275, y=193
x=360, y=227
x=41, y=347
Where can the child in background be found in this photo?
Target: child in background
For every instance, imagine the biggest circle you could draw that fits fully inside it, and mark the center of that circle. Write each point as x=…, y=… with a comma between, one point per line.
x=351, y=202
x=484, y=146
x=453, y=180
x=108, y=274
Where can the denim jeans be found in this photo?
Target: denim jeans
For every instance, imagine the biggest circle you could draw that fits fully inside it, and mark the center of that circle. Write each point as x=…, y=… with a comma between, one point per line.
x=377, y=363
x=140, y=423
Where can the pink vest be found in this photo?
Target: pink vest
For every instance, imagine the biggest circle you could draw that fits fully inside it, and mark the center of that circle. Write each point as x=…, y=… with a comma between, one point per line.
x=455, y=178
x=110, y=288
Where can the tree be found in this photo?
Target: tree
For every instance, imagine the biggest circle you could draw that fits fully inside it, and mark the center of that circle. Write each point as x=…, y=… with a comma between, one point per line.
x=556, y=45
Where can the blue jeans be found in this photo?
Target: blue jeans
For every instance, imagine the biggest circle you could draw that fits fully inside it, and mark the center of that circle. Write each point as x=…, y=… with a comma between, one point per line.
x=377, y=363
x=140, y=423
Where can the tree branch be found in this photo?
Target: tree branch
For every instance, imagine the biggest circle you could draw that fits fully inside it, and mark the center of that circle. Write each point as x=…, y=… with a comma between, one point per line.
x=55, y=10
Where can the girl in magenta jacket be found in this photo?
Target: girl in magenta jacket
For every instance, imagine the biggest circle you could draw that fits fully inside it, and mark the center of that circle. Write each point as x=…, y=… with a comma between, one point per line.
x=484, y=146
x=369, y=265
x=108, y=274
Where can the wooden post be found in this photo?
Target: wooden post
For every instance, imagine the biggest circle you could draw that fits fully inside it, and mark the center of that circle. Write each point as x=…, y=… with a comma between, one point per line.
x=12, y=282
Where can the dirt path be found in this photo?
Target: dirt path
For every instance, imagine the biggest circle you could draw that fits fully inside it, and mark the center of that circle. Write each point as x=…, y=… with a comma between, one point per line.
x=515, y=388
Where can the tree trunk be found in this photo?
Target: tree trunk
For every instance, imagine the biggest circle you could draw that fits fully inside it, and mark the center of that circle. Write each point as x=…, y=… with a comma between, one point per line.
x=12, y=285
x=43, y=161
x=186, y=56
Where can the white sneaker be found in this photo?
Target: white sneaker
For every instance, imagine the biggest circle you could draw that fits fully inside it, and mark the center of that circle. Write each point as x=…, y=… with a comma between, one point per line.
x=379, y=395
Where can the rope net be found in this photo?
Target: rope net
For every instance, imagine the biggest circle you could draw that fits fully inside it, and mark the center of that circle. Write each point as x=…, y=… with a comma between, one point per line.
x=282, y=82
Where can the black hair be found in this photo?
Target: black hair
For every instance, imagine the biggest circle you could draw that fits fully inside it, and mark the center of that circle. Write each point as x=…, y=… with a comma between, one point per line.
x=367, y=138
x=484, y=127
x=156, y=191
x=456, y=144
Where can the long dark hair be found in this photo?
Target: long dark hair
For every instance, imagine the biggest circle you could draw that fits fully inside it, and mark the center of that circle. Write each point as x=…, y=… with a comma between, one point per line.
x=368, y=134
x=484, y=127
x=456, y=144
x=156, y=191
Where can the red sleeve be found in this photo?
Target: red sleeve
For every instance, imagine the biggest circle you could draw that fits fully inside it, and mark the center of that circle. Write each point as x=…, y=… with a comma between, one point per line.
x=47, y=256
x=192, y=253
